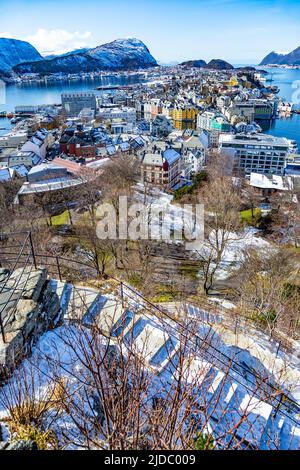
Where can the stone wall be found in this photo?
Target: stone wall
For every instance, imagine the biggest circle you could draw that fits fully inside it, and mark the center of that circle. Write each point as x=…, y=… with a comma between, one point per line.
x=28, y=307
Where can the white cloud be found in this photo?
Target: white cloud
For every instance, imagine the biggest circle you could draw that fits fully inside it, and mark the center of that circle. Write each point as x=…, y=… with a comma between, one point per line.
x=58, y=41
x=6, y=35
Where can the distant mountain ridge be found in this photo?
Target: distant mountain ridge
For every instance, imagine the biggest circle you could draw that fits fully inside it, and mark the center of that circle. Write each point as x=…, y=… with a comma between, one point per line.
x=199, y=63
x=276, y=58
x=214, y=64
x=14, y=52
x=218, y=64
x=120, y=54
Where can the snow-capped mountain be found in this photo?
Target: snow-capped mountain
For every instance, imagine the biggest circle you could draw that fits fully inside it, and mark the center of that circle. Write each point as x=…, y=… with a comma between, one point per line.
x=279, y=58
x=76, y=51
x=123, y=53
x=14, y=52
x=120, y=54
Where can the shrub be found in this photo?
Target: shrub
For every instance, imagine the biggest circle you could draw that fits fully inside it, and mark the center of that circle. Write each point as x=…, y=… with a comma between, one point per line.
x=204, y=442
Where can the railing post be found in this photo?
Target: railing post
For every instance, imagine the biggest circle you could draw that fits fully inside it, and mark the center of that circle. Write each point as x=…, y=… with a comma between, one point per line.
x=2, y=329
x=32, y=250
x=122, y=293
x=279, y=344
x=58, y=268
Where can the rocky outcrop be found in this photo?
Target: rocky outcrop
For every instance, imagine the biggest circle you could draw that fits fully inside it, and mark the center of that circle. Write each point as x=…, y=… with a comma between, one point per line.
x=193, y=63
x=218, y=64
x=28, y=308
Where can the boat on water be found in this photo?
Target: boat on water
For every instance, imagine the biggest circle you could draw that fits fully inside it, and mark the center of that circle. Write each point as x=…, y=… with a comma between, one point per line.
x=10, y=115
x=108, y=87
x=285, y=107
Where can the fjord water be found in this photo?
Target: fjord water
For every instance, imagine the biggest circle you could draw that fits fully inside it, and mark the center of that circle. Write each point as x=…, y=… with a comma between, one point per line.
x=288, y=80
x=49, y=93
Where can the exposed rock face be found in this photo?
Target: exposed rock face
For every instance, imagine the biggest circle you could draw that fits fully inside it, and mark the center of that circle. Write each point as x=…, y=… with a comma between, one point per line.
x=194, y=63
x=72, y=63
x=14, y=52
x=218, y=64
x=121, y=54
x=27, y=308
x=293, y=58
x=18, y=445
x=272, y=58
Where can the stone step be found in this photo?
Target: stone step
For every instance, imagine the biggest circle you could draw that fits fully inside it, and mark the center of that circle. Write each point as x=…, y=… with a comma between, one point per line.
x=149, y=341
x=95, y=310
x=270, y=439
x=81, y=300
x=165, y=354
x=63, y=291
x=289, y=435
x=111, y=313
x=125, y=323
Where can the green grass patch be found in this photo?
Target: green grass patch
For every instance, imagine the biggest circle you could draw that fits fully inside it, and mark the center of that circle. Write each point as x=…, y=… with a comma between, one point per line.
x=166, y=297
x=190, y=271
x=61, y=219
x=249, y=217
x=135, y=280
x=164, y=294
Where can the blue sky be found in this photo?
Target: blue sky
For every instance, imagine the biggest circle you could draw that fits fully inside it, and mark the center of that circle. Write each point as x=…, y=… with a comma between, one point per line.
x=240, y=31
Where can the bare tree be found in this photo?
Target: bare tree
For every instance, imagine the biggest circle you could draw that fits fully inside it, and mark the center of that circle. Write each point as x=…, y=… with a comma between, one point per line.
x=222, y=222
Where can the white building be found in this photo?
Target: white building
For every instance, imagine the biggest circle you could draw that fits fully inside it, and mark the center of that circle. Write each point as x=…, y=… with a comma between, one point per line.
x=38, y=143
x=259, y=153
x=125, y=113
x=19, y=157
x=13, y=139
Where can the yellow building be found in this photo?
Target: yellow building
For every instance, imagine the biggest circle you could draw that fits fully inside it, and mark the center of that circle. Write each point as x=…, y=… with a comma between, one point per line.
x=184, y=118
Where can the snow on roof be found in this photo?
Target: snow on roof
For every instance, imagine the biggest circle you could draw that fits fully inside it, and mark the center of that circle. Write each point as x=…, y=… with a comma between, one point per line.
x=271, y=182
x=48, y=185
x=5, y=174
x=153, y=159
x=36, y=141
x=124, y=146
x=171, y=156
x=21, y=170
x=111, y=149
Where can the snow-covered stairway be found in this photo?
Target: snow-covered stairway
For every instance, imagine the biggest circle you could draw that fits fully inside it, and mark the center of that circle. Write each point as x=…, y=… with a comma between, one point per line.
x=225, y=394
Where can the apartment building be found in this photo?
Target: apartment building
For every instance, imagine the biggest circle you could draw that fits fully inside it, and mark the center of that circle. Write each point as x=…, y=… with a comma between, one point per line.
x=258, y=153
x=125, y=113
x=13, y=139
x=73, y=103
x=162, y=167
